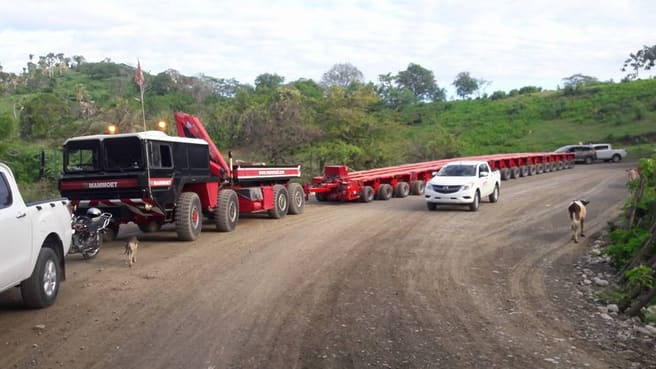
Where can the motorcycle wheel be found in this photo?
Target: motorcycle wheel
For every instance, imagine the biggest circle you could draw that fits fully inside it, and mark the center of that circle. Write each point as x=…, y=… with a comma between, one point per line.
x=91, y=253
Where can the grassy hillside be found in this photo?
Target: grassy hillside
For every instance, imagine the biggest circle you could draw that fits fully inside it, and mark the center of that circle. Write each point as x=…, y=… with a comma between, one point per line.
x=304, y=122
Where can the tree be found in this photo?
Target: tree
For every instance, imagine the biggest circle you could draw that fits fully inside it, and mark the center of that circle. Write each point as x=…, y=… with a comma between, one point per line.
x=421, y=82
x=44, y=116
x=268, y=81
x=342, y=75
x=391, y=95
x=465, y=85
x=644, y=58
x=574, y=82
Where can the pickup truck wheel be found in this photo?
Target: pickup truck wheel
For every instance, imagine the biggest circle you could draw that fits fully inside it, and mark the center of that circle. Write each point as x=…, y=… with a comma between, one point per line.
x=226, y=214
x=384, y=192
x=417, y=187
x=431, y=206
x=494, y=196
x=588, y=160
x=477, y=199
x=366, y=194
x=280, y=202
x=188, y=217
x=402, y=189
x=40, y=290
x=296, y=197
x=616, y=158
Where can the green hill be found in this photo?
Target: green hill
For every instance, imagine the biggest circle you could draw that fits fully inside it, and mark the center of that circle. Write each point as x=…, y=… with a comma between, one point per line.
x=302, y=121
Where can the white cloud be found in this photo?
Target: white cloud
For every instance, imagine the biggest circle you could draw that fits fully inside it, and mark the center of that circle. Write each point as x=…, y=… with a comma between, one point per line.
x=511, y=43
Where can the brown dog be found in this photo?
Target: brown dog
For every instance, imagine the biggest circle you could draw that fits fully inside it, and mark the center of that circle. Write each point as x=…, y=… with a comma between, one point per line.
x=131, y=246
x=577, y=213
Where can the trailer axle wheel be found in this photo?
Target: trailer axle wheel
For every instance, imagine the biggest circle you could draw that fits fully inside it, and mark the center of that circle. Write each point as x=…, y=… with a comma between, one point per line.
x=226, y=214
x=366, y=194
x=296, y=197
x=280, y=202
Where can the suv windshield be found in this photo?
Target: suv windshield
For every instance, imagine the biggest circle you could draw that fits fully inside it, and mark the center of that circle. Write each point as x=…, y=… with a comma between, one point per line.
x=458, y=171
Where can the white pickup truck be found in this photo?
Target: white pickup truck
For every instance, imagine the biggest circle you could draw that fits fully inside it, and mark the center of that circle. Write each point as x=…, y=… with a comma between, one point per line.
x=463, y=183
x=35, y=240
x=606, y=152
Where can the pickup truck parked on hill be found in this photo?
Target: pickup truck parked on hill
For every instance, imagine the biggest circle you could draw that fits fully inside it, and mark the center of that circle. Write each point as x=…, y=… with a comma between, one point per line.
x=35, y=240
x=463, y=183
x=606, y=152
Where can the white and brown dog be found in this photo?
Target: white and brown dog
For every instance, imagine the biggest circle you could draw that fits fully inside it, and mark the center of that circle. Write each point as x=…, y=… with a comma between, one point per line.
x=131, y=247
x=577, y=213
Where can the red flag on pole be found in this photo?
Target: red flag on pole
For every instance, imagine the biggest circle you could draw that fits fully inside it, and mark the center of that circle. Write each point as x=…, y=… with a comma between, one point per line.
x=138, y=76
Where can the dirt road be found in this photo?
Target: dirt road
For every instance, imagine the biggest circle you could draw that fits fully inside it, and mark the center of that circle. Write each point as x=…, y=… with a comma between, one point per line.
x=386, y=284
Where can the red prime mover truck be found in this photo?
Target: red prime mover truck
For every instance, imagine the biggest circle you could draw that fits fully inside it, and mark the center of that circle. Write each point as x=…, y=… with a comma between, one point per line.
x=151, y=179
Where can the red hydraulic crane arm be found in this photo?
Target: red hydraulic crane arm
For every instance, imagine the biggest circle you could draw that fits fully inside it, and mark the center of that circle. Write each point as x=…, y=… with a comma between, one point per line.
x=190, y=126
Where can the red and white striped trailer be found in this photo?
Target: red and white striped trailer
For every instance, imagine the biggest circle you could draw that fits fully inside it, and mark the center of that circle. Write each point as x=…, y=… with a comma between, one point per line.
x=339, y=184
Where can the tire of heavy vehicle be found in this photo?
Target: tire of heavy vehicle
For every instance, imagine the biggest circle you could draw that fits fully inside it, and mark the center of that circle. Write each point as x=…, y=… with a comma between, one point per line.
x=616, y=158
x=384, y=192
x=494, y=196
x=366, y=194
x=188, y=217
x=431, y=206
x=280, y=202
x=40, y=290
x=226, y=214
x=296, y=198
x=477, y=200
x=417, y=187
x=539, y=168
x=559, y=165
x=320, y=196
x=514, y=172
x=402, y=189
x=531, y=170
x=523, y=171
x=547, y=167
x=505, y=173
x=588, y=160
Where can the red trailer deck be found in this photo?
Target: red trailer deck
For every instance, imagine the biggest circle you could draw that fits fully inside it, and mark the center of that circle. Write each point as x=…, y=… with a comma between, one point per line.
x=338, y=184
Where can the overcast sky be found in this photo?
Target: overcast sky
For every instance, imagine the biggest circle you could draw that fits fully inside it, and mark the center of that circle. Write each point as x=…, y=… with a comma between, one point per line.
x=510, y=43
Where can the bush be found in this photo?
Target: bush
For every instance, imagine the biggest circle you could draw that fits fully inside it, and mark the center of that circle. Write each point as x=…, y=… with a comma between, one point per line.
x=624, y=244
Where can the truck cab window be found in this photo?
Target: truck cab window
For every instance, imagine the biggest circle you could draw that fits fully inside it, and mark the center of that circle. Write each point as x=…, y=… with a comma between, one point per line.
x=5, y=193
x=123, y=153
x=160, y=155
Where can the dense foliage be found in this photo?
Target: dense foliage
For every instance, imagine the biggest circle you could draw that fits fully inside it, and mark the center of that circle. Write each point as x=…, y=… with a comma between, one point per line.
x=405, y=117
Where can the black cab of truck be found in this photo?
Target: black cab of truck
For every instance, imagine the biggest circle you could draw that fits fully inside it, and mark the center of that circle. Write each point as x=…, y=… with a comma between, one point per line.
x=134, y=176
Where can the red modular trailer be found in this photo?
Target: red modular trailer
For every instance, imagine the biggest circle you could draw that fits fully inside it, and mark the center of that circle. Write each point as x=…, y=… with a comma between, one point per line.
x=150, y=179
x=338, y=184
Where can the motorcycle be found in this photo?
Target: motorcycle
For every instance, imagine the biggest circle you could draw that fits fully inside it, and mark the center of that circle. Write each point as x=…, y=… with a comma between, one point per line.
x=88, y=232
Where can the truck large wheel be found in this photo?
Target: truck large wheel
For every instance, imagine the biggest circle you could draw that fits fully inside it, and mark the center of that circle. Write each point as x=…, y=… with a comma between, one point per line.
x=384, y=192
x=226, y=214
x=402, y=189
x=296, y=198
x=188, y=217
x=280, y=202
x=366, y=194
x=40, y=290
x=417, y=188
